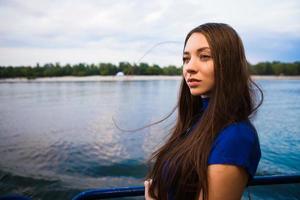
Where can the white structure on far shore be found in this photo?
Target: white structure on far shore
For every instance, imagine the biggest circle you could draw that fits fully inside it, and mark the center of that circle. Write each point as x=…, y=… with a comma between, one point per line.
x=120, y=74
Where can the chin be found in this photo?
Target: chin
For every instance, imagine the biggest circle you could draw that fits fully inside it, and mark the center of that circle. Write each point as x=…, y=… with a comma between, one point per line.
x=196, y=93
x=199, y=92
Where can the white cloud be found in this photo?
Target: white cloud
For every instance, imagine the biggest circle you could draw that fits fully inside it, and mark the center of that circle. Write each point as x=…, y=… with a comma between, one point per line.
x=111, y=31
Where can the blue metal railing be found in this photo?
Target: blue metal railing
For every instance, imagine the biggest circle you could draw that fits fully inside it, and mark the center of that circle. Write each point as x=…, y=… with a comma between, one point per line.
x=139, y=191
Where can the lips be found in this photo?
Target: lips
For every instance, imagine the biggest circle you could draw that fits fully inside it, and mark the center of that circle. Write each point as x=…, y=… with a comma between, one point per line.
x=192, y=82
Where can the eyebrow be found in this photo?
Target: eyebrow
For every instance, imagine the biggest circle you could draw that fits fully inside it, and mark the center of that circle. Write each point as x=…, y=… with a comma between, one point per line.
x=198, y=50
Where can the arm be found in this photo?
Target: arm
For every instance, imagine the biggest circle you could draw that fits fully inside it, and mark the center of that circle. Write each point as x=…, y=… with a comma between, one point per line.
x=226, y=182
x=228, y=167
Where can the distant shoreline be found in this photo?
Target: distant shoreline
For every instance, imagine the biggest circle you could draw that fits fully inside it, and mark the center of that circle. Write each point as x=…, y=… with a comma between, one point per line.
x=125, y=78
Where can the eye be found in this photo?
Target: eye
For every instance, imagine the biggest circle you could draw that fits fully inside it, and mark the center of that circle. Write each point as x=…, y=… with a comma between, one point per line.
x=185, y=60
x=205, y=57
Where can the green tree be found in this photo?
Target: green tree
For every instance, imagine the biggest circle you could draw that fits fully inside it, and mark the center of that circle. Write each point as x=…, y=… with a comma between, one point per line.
x=278, y=68
x=79, y=70
x=67, y=70
x=126, y=68
x=107, y=69
x=143, y=68
x=171, y=70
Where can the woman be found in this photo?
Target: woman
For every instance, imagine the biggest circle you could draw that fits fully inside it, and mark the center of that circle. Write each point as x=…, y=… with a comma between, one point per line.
x=213, y=150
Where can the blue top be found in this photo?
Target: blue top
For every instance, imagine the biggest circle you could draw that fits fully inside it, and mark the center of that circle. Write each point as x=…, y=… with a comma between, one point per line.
x=237, y=144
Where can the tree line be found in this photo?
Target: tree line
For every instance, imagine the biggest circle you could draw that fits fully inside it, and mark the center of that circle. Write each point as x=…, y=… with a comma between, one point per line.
x=276, y=68
x=105, y=69
x=82, y=69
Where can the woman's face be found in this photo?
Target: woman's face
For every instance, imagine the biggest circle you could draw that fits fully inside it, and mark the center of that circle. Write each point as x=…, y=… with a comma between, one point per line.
x=198, y=66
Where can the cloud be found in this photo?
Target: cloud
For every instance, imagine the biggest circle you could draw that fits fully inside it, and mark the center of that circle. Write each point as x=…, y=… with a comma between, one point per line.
x=111, y=31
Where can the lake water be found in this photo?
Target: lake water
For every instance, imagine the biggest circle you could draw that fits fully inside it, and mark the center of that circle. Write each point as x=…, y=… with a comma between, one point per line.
x=58, y=138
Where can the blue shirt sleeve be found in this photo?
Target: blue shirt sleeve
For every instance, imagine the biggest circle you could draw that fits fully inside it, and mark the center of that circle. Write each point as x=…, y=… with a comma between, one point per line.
x=237, y=144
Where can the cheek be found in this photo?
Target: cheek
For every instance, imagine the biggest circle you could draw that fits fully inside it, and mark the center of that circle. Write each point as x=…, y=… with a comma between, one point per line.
x=209, y=70
x=212, y=76
x=184, y=72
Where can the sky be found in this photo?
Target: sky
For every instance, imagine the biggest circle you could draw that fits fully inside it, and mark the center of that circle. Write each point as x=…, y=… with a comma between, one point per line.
x=93, y=31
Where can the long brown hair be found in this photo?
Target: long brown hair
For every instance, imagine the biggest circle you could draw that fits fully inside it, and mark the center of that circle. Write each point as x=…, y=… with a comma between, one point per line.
x=180, y=165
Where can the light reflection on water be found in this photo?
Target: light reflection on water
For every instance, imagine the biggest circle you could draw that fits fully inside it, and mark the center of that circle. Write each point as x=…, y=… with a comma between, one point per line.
x=60, y=138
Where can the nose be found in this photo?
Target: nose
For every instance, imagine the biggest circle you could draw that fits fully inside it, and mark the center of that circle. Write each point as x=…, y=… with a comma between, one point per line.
x=190, y=67
x=190, y=70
